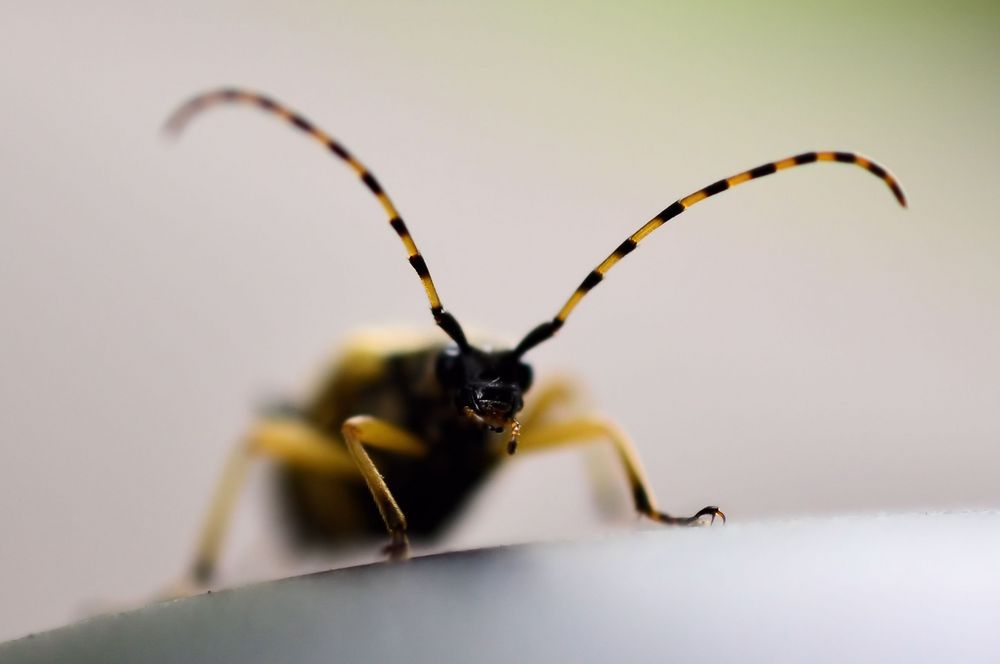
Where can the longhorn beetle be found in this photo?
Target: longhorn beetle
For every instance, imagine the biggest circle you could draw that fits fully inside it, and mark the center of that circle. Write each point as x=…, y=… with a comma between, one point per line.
x=419, y=425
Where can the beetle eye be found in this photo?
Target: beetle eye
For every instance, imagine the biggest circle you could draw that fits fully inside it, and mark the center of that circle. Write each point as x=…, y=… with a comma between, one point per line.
x=523, y=375
x=450, y=369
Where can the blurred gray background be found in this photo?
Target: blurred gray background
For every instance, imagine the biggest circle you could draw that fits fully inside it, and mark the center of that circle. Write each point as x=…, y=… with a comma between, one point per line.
x=798, y=346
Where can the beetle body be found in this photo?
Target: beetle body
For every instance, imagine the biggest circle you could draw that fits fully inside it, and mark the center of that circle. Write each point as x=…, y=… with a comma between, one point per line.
x=399, y=433
x=390, y=376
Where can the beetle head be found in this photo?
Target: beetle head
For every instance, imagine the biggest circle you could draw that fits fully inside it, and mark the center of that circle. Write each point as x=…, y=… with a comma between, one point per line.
x=487, y=386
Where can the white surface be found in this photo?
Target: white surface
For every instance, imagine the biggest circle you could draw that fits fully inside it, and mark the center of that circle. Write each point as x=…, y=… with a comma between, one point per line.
x=901, y=588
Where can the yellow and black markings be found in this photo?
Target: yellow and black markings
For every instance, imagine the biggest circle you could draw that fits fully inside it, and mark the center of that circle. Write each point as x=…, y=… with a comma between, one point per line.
x=399, y=433
x=549, y=328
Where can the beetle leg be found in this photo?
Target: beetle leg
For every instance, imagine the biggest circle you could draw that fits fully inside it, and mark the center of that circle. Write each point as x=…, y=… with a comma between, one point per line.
x=285, y=440
x=589, y=427
x=550, y=396
x=363, y=431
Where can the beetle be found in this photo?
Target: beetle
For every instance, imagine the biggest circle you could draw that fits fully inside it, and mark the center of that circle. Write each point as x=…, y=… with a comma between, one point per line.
x=398, y=434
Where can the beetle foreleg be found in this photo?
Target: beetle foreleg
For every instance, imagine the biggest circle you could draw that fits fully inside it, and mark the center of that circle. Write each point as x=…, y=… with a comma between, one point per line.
x=589, y=427
x=363, y=431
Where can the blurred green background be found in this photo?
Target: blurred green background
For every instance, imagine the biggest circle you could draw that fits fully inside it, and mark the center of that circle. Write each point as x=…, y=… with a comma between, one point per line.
x=797, y=346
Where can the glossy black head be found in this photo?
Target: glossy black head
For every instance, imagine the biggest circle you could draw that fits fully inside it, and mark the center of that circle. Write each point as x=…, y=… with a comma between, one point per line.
x=486, y=385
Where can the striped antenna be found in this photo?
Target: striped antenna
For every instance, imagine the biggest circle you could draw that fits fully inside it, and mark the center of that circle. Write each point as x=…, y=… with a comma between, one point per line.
x=180, y=118
x=549, y=328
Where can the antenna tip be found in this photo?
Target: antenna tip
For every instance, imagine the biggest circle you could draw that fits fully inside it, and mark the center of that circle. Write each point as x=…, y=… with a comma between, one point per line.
x=897, y=191
x=175, y=124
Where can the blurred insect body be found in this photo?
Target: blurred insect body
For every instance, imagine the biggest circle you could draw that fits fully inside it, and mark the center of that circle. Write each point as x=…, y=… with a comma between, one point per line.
x=417, y=426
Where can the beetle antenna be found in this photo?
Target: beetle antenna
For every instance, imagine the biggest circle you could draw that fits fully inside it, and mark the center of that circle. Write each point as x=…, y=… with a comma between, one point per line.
x=547, y=329
x=180, y=118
